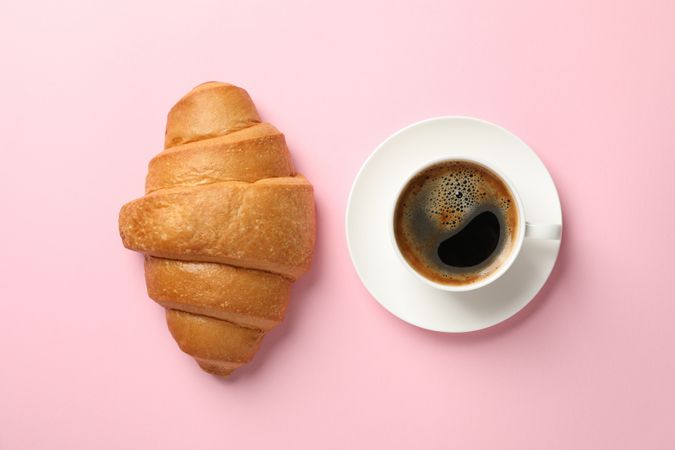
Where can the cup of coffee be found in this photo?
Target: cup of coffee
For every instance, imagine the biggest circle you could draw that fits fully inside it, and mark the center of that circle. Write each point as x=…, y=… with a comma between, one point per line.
x=458, y=224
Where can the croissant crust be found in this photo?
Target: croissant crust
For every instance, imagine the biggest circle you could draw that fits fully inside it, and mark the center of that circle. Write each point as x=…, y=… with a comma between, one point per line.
x=226, y=226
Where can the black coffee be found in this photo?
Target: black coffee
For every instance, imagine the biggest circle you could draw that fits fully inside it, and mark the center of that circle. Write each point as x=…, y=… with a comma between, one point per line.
x=455, y=222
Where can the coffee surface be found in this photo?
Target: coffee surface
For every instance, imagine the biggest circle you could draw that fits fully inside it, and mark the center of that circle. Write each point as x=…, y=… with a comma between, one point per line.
x=455, y=222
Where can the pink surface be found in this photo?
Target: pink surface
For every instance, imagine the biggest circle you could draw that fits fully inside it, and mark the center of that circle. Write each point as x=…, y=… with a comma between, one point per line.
x=87, y=361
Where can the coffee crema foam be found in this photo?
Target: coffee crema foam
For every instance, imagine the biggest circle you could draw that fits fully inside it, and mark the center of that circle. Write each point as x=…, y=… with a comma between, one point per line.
x=439, y=203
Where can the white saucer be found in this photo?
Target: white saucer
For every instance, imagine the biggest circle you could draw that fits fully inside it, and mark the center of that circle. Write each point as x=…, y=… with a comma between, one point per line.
x=384, y=275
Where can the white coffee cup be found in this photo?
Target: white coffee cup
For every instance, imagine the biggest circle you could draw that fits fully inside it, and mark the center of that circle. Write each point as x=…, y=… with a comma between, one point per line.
x=525, y=230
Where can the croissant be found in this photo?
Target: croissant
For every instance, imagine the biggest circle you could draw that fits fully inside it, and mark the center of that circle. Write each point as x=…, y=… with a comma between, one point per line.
x=226, y=226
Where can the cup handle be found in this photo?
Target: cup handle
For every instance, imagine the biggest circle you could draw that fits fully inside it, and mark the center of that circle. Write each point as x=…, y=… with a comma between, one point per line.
x=543, y=231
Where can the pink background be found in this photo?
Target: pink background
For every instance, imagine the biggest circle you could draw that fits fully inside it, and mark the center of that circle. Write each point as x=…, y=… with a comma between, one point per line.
x=87, y=361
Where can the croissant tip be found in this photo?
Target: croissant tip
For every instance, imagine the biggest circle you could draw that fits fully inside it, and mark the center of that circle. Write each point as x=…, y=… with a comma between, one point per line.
x=218, y=373
x=210, y=85
x=214, y=369
x=212, y=82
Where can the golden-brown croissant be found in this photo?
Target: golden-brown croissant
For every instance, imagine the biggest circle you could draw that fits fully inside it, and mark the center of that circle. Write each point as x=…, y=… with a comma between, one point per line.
x=226, y=226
